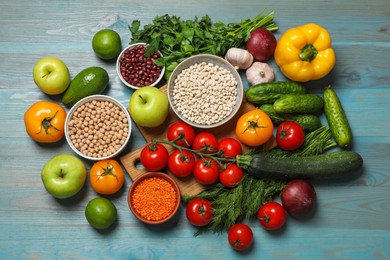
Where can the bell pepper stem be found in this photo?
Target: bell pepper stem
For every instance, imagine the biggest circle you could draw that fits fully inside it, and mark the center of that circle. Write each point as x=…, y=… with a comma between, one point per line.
x=308, y=53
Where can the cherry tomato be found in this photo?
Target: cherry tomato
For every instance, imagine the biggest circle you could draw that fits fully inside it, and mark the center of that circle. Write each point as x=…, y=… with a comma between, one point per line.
x=206, y=171
x=205, y=142
x=290, y=136
x=271, y=215
x=106, y=176
x=154, y=157
x=45, y=122
x=199, y=212
x=179, y=129
x=181, y=163
x=240, y=236
x=254, y=128
x=231, y=176
x=230, y=147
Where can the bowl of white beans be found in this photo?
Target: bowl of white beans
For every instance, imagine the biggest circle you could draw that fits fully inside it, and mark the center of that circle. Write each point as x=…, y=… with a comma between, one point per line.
x=98, y=127
x=205, y=91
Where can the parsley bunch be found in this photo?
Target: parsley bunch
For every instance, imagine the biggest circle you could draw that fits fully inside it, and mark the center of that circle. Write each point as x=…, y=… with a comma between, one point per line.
x=179, y=39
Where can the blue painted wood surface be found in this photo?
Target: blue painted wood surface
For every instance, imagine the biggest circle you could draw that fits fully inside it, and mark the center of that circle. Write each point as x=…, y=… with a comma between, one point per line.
x=352, y=220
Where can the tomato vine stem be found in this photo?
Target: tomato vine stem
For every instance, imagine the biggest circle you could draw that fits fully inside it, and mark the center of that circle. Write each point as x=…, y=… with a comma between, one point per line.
x=218, y=156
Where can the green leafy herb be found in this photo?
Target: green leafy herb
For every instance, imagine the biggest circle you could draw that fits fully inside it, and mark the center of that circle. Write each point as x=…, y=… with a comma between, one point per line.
x=232, y=205
x=179, y=39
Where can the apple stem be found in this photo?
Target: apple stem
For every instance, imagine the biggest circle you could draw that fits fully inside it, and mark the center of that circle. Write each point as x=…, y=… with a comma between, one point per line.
x=44, y=75
x=62, y=174
x=143, y=100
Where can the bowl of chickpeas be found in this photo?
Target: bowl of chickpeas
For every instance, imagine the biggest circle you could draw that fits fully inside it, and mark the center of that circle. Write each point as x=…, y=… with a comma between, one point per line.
x=98, y=127
x=205, y=91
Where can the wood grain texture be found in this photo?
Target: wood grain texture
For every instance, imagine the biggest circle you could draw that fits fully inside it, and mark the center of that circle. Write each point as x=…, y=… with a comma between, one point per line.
x=352, y=217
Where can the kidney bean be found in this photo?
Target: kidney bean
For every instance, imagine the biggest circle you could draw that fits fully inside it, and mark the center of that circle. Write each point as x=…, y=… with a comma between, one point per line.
x=137, y=69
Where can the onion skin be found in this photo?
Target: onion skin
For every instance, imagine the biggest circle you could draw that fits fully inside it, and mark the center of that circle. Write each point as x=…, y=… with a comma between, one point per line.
x=299, y=198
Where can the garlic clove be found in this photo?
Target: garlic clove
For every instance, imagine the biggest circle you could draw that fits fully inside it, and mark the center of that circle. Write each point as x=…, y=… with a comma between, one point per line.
x=239, y=58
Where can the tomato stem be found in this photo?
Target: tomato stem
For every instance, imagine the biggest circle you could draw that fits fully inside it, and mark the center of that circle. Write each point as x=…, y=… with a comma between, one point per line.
x=217, y=156
x=254, y=125
x=108, y=171
x=46, y=124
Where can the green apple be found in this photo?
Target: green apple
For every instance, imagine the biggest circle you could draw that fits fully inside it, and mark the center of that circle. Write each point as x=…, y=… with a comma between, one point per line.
x=64, y=175
x=148, y=106
x=51, y=75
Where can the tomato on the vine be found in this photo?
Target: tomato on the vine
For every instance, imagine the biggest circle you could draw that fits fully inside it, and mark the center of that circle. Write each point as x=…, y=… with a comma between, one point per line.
x=181, y=163
x=45, y=121
x=271, y=215
x=230, y=147
x=206, y=171
x=231, y=176
x=254, y=128
x=183, y=130
x=199, y=212
x=240, y=236
x=290, y=135
x=154, y=157
x=205, y=142
x=106, y=176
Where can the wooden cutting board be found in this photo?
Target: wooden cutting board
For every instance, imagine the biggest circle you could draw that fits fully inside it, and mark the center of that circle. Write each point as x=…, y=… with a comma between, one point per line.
x=188, y=185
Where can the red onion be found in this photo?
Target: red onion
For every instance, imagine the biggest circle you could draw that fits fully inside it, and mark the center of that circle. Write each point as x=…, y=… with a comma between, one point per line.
x=299, y=197
x=261, y=44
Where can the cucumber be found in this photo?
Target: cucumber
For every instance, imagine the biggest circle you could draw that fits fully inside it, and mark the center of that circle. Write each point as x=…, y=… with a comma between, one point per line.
x=299, y=103
x=309, y=122
x=337, y=120
x=268, y=93
x=323, y=166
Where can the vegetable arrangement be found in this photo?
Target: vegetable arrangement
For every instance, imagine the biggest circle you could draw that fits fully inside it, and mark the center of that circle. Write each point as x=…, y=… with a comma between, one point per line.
x=178, y=39
x=239, y=186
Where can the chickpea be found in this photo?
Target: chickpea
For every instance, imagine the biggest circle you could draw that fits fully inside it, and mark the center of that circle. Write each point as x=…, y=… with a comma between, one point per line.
x=98, y=128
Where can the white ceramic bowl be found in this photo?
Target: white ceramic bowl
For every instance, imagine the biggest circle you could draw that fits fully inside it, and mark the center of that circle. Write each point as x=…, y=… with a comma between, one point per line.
x=87, y=100
x=118, y=62
x=215, y=60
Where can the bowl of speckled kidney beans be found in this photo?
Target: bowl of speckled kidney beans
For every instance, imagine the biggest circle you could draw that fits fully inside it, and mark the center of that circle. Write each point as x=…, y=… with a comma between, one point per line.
x=136, y=67
x=98, y=127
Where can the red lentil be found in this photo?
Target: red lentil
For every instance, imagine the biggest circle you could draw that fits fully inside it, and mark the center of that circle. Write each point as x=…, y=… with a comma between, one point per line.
x=154, y=198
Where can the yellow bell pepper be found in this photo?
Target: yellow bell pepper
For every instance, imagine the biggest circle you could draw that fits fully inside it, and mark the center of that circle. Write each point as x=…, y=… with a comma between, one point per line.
x=304, y=53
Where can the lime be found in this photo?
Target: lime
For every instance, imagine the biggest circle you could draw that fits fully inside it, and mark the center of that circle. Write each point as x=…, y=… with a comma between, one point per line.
x=101, y=213
x=107, y=44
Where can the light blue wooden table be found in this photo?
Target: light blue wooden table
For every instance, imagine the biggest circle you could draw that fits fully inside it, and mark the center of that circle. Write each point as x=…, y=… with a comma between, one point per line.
x=353, y=217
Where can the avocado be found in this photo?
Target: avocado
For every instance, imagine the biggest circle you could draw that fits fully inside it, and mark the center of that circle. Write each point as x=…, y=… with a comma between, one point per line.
x=90, y=81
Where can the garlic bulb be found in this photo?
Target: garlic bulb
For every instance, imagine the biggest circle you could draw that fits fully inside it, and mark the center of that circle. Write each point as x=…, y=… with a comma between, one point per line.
x=259, y=72
x=239, y=58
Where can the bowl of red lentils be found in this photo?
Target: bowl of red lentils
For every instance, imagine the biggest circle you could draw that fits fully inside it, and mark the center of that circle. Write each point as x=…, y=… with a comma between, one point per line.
x=154, y=198
x=136, y=69
x=98, y=127
x=205, y=91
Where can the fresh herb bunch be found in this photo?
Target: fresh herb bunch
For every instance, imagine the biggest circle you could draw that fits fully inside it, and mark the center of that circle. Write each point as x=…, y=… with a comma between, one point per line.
x=179, y=39
x=233, y=205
